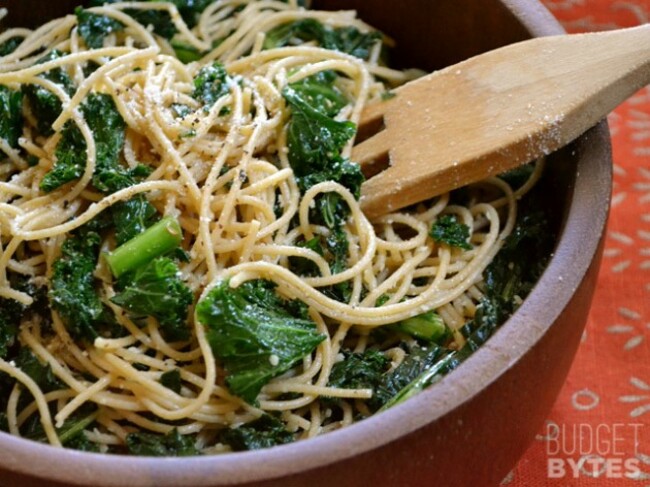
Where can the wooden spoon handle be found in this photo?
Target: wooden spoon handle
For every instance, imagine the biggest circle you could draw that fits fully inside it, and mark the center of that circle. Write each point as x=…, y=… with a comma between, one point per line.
x=496, y=111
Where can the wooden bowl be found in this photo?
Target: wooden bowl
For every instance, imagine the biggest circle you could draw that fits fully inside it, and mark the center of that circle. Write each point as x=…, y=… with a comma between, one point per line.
x=470, y=428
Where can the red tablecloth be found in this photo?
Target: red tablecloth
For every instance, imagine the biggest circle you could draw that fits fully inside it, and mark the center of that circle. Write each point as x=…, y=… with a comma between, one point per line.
x=598, y=433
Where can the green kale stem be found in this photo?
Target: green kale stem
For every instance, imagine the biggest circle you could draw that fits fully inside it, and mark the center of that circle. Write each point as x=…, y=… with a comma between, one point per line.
x=73, y=428
x=155, y=241
x=427, y=326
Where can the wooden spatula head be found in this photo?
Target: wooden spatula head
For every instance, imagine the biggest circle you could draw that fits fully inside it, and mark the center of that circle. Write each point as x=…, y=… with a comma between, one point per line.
x=494, y=112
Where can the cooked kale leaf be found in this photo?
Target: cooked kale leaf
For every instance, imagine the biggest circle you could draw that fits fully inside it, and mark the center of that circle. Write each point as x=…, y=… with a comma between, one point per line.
x=12, y=312
x=518, y=176
x=10, y=45
x=211, y=83
x=262, y=293
x=45, y=105
x=94, y=28
x=337, y=248
x=81, y=442
x=514, y=271
x=157, y=290
x=254, y=335
x=132, y=217
x=70, y=159
x=160, y=20
x=72, y=286
x=320, y=92
x=173, y=444
x=359, y=370
x=264, y=432
x=303, y=266
x=186, y=53
x=191, y=10
x=315, y=141
x=172, y=380
x=11, y=117
x=71, y=433
x=342, y=171
x=353, y=41
x=522, y=259
x=344, y=39
x=108, y=131
x=313, y=138
x=107, y=127
x=334, y=247
x=331, y=211
x=419, y=369
x=447, y=229
x=39, y=372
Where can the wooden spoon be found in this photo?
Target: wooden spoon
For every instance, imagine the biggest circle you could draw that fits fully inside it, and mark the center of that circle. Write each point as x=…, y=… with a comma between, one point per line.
x=494, y=112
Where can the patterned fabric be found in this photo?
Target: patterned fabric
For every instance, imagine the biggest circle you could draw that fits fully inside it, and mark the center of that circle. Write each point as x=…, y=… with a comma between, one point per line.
x=598, y=433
